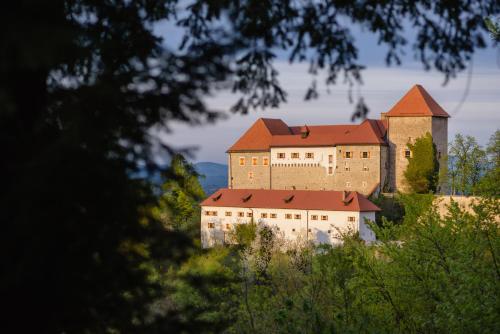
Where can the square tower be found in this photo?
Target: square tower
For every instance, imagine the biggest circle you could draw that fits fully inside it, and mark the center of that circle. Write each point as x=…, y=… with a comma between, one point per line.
x=412, y=117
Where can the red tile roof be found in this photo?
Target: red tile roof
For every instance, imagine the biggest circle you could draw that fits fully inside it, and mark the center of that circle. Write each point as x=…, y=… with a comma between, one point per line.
x=267, y=133
x=290, y=199
x=258, y=137
x=417, y=102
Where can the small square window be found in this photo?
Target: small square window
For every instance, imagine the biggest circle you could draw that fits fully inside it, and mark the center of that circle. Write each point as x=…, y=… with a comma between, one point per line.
x=241, y=214
x=211, y=225
x=314, y=217
x=273, y=215
x=293, y=230
x=407, y=153
x=329, y=231
x=281, y=155
x=330, y=170
x=263, y=215
x=346, y=167
x=242, y=161
x=324, y=217
x=229, y=213
x=330, y=158
x=309, y=155
x=295, y=155
x=365, y=155
x=277, y=228
x=250, y=175
x=288, y=216
x=249, y=214
x=309, y=230
x=351, y=219
x=297, y=216
x=255, y=161
x=265, y=161
x=348, y=155
x=365, y=168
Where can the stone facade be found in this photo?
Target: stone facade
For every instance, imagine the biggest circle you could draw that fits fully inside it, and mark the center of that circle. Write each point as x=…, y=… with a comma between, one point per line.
x=250, y=175
x=401, y=131
x=316, y=168
x=404, y=130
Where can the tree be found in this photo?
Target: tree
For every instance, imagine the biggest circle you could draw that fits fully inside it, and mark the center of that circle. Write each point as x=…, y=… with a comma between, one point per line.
x=179, y=203
x=489, y=184
x=82, y=85
x=422, y=171
x=467, y=164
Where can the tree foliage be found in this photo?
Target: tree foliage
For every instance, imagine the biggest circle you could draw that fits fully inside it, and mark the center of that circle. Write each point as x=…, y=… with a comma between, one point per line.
x=467, y=164
x=422, y=171
x=489, y=184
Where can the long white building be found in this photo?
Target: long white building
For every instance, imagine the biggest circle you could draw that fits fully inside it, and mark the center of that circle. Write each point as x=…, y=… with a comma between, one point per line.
x=316, y=216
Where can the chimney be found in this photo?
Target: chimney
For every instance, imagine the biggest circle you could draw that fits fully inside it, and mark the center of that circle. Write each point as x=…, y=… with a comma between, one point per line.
x=304, y=131
x=383, y=116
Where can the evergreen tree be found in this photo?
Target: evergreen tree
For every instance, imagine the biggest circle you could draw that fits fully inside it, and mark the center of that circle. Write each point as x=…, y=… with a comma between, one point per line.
x=423, y=167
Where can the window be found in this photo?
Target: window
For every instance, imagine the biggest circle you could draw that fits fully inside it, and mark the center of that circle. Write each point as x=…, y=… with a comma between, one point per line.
x=255, y=161
x=241, y=214
x=324, y=217
x=265, y=161
x=330, y=158
x=263, y=215
x=242, y=161
x=288, y=216
x=407, y=153
x=314, y=217
x=348, y=155
x=297, y=216
x=309, y=230
x=351, y=219
x=346, y=167
x=250, y=175
x=330, y=170
x=365, y=168
x=439, y=154
x=363, y=184
x=281, y=155
x=211, y=225
x=273, y=215
x=365, y=155
x=329, y=231
x=249, y=214
x=348, y=184
x=309, y=155
x=210, y=213
x=293, y=230
x=295, y=155
x=229, y=213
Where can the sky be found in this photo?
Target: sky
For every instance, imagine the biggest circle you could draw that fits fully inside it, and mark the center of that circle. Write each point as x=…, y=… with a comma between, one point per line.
x=478, y=115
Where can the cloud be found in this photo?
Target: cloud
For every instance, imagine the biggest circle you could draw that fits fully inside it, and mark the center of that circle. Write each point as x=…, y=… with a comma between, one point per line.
x=479, y=115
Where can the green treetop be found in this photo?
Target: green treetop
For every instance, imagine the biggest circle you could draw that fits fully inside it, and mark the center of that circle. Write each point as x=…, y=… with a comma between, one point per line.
x=423, y=167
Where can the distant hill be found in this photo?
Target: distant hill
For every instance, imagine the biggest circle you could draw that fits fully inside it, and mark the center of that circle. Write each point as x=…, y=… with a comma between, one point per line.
x=213, y=176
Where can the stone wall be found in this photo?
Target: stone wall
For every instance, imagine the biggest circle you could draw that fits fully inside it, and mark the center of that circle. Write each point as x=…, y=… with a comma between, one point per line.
x=401, y=131
x=440, y=138
x=249, y=176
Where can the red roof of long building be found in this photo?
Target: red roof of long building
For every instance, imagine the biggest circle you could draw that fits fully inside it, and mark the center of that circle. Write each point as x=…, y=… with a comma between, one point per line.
x=290, y=199
x=267, y=133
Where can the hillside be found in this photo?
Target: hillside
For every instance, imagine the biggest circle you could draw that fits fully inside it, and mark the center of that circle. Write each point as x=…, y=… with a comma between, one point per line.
x=212, y=176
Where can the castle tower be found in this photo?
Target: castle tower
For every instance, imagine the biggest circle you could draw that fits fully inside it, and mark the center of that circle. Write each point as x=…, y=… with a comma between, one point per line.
x=411, y=117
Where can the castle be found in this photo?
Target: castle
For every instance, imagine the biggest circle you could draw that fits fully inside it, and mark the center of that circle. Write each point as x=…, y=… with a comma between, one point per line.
x=310, y=182
x=368, y=157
